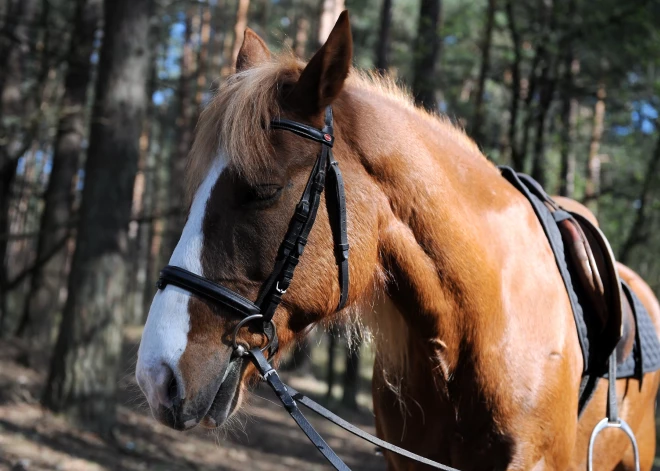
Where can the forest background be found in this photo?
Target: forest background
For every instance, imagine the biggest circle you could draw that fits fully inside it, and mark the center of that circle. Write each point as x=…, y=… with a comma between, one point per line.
x=98, y=105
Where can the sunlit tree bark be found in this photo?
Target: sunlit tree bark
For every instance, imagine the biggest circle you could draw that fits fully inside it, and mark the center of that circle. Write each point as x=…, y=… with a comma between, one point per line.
x=330, y=11
x=592, y=187
x=239, y=30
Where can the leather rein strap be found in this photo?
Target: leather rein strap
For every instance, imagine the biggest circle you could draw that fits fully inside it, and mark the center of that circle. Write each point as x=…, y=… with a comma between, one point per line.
x=288, y=397
x=324, y=176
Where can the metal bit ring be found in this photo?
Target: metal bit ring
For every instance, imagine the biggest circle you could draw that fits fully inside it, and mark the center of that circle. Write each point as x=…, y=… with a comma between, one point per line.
x=240, y=350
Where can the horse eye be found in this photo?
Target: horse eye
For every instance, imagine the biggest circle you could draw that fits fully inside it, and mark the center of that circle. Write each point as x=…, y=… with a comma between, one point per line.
x=264, y=193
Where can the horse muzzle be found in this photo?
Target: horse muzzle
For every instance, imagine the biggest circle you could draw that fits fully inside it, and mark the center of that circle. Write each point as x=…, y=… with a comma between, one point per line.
x=208, y=399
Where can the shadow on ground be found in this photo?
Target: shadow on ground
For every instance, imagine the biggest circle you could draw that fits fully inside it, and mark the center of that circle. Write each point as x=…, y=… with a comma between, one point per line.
x=264, y=438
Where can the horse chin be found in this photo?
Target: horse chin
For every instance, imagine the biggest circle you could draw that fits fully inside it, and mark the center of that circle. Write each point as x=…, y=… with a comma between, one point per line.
x=227, y=399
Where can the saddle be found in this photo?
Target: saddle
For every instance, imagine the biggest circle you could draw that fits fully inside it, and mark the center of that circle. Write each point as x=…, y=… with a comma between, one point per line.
x=604, y=318
x=591, y=260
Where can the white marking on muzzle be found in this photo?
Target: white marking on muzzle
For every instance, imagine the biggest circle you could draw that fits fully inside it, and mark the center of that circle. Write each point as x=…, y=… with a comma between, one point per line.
x=165, y=334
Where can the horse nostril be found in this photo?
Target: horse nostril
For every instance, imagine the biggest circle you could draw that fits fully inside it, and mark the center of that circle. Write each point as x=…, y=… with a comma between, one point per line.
x=173, y=391
x=166, y=386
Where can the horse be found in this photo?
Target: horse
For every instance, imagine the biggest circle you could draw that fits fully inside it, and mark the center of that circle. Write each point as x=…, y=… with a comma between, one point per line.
x=477, y=361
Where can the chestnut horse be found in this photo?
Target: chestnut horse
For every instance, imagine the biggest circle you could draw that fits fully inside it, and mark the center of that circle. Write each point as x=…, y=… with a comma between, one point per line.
x=478, y=363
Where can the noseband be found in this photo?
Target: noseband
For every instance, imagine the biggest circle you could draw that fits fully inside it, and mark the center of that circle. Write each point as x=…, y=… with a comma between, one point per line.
x=292, y=247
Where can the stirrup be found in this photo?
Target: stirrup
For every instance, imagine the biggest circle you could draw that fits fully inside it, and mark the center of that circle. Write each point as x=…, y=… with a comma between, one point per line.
x=602, y=425
x=612, y=420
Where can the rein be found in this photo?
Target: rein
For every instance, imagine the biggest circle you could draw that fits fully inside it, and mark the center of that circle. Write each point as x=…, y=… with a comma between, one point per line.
x=276, y=285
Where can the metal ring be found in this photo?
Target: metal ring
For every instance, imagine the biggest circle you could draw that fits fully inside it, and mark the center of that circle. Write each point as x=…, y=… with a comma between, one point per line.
x=280, y=291
x=245, y=321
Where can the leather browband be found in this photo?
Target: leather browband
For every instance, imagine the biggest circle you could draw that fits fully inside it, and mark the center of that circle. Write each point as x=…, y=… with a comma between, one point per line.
x=303, y=130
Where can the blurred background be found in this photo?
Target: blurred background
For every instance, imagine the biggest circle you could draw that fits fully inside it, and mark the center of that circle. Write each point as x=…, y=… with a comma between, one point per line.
x=98, y=105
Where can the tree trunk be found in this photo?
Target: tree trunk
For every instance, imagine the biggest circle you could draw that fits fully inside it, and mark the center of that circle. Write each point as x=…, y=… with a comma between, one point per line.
x=301, y=358
x=184, y=131
x=302, y=35
x=15, y=45
x=330, y=11
x=636, y=234
x=46, y=280
x=568, y=129
x=351, y=376
x=546, y=84
x=330, y=373
x=592, y=187
x=383, y=44
x=516, y=155
x=202, y=57
x=427, y=46
x=82, y=382
x=140, y=288
x=239, y=30
x=477, y=121
x=547, y=92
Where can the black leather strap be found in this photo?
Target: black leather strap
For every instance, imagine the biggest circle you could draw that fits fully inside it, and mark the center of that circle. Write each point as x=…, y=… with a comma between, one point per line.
x=304, y=130
x=272, y=378
x=335, y=419
x=340, y=233
x=294, y=242
x=290, y=397
x=207, y=289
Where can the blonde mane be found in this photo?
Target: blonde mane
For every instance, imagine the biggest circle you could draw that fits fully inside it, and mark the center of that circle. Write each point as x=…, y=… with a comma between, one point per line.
x=234, y=122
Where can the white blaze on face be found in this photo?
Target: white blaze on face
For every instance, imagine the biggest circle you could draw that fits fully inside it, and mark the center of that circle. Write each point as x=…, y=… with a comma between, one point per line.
x=166, y=332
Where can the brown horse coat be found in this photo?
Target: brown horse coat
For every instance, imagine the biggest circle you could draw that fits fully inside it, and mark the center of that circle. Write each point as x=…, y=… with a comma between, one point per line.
x=477, y=358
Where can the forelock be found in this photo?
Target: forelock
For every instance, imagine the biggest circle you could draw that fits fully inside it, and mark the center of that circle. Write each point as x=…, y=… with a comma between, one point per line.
x=234, y=124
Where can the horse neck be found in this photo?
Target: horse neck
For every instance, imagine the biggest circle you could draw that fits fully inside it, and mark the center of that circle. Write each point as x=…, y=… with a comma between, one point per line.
x=436, y=189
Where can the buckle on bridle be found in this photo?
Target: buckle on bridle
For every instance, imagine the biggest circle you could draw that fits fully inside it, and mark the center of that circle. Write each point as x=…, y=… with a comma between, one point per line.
x=280, y=291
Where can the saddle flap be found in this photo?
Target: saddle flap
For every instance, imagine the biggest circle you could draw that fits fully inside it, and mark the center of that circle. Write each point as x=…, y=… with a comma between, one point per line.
x=595, y=266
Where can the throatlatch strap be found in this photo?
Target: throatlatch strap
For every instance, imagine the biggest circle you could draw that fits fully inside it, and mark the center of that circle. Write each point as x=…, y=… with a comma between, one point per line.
x=274, y=381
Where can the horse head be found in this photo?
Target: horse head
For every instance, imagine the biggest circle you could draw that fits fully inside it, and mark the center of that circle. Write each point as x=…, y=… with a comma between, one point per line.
x=245, y=179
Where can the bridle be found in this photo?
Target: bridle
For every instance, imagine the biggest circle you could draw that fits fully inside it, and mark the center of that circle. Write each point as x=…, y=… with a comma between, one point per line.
x=292, y=247
x=277, y=283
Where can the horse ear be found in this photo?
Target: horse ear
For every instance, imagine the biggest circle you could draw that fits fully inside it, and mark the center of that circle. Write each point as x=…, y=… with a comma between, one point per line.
x=324, y=76
x=253, y=51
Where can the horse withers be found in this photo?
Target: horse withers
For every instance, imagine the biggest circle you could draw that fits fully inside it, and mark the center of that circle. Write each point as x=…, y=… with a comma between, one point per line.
x=478, y=363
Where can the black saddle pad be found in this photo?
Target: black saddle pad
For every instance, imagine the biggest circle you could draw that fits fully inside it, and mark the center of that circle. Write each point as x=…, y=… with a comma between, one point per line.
x=645, y=355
